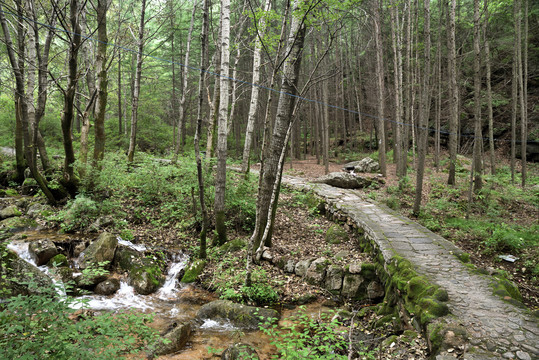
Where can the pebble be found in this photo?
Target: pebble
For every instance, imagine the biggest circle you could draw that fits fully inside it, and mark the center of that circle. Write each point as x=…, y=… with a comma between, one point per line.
x=521, y=355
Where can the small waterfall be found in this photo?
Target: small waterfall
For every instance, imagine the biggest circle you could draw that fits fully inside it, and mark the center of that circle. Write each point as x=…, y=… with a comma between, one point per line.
x=124, y=298
x=169, y=288
x=129, y=244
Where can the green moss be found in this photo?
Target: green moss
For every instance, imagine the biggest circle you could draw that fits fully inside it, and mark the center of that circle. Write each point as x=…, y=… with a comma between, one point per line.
x=233, y=245
x=435, y=336
x=58, y=260
x=463, y=256
x=335, y=234
x=192, y=272
x=15, y=224
x=431, y=309
x=408, y=336
x=441, y=295
x=368, y=271
x=505, y=288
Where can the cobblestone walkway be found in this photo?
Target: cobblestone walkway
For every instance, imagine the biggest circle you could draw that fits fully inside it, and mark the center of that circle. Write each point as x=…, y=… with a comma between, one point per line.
x=496, y=329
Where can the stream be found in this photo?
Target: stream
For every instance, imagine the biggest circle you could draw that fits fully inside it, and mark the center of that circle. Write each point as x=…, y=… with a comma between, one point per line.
x=173, y=303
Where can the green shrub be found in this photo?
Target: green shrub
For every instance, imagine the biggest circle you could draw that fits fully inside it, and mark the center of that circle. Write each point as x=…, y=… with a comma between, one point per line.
x=311, y=338
x=42, y=327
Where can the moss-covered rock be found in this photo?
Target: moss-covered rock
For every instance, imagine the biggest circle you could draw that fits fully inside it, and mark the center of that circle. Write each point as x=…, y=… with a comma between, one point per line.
x=18, y=276
x=233, y=245
x=193, y=270
x=174, y=340
x=147, y=276
x=42, y=250
x=242, y=316
x=125, y=258
x=58, y=260
x=335, y=234
x=19, y=223
x=506, y=289
x=9, y=211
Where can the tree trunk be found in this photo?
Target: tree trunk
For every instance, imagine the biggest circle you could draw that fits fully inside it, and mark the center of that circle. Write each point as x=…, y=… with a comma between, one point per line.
x=120, y=113
x=523, y=105
x=136, y=87
x=489, y=92
x=514, y=89
x=253, y=104
x=478, y=136
x=181, y=120
x=70, y=180
x=282, y=121
x=203, y=56
x=424, y=111
x=379, y=69
x=102, y=81
x=453, y=90
x=220, y=179
x=397, y=78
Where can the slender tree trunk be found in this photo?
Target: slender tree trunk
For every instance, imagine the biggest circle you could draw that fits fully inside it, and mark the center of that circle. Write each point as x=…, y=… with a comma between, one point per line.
x=102, y=81
x=282, y=121
x=251, y=117
x=514, y=89
x=438, y=119
x=120, y=113
x=220, y=180
x=408, y=103
x=522, y=95
x=489, y=92
x=136, y=87
x=181, y=120
x=397, y=78
x=478, y=136
x=203, y=56
x=379, y=65
x=453, y=107
x=424, y=111
x=70, y=180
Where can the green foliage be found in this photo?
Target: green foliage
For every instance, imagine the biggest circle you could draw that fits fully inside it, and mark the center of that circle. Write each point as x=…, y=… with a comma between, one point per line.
x=310, y=338
x=7, y=121
x=46, y=327
x=77, y=215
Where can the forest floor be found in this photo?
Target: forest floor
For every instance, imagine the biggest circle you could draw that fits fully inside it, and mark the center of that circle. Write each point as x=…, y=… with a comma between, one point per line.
x=524, y=215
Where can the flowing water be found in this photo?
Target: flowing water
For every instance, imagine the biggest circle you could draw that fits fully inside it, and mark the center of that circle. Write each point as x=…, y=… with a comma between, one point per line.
x=172, y=303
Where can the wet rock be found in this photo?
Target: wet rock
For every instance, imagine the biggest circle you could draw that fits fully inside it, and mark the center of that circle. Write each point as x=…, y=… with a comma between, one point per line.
x=42, y=250
x=335, y=234
x=302, y=266
x=317, y=271
x=107, y=287
x=79, y=248
x=9, y=211
x=101, y=223
x=333, y=281
x=147, y=276
x=19, y=274
x=242, y=316
x=100, y=250
x=344, y=180
x=239, y=352
x=125, y=257
x=17, y=224
x=365, y=165
x=174, y=340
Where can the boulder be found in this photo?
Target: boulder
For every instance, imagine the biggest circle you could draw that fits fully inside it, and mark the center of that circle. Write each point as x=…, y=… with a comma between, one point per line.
x=193, y=270
x=107, y=287
x=367, y=165
x=125, y=257
x=174, y=340
x=344, y=180
x=36, y=210
x=302, y=266
x=146, y=276
x=240, y=352
x=58, y=260
x=317, y=271
x=20, y=277
x=333, y=281
x=9, y=211
x=242, y=316
x=42, y=250
x=100, y=250
x=17, y=224
x=289, y=266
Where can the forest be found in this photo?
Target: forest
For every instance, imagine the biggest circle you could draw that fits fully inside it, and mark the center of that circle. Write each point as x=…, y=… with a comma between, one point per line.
x=173, y=124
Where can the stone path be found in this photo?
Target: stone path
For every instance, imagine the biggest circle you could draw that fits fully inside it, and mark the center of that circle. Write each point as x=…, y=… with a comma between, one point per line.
x=495, y=328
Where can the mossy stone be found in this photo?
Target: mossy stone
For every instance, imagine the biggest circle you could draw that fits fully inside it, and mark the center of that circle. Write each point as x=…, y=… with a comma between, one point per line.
x=234, y=245
x=368, y=271
x=193, y=271
x=147, y=277
x=418, y=286
x=431, y=309
x=509, y=287
x=464, y=257
x=58, y=261
x=335, y=234
x=16, y=224
x=409, y=335
x=441, y=295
